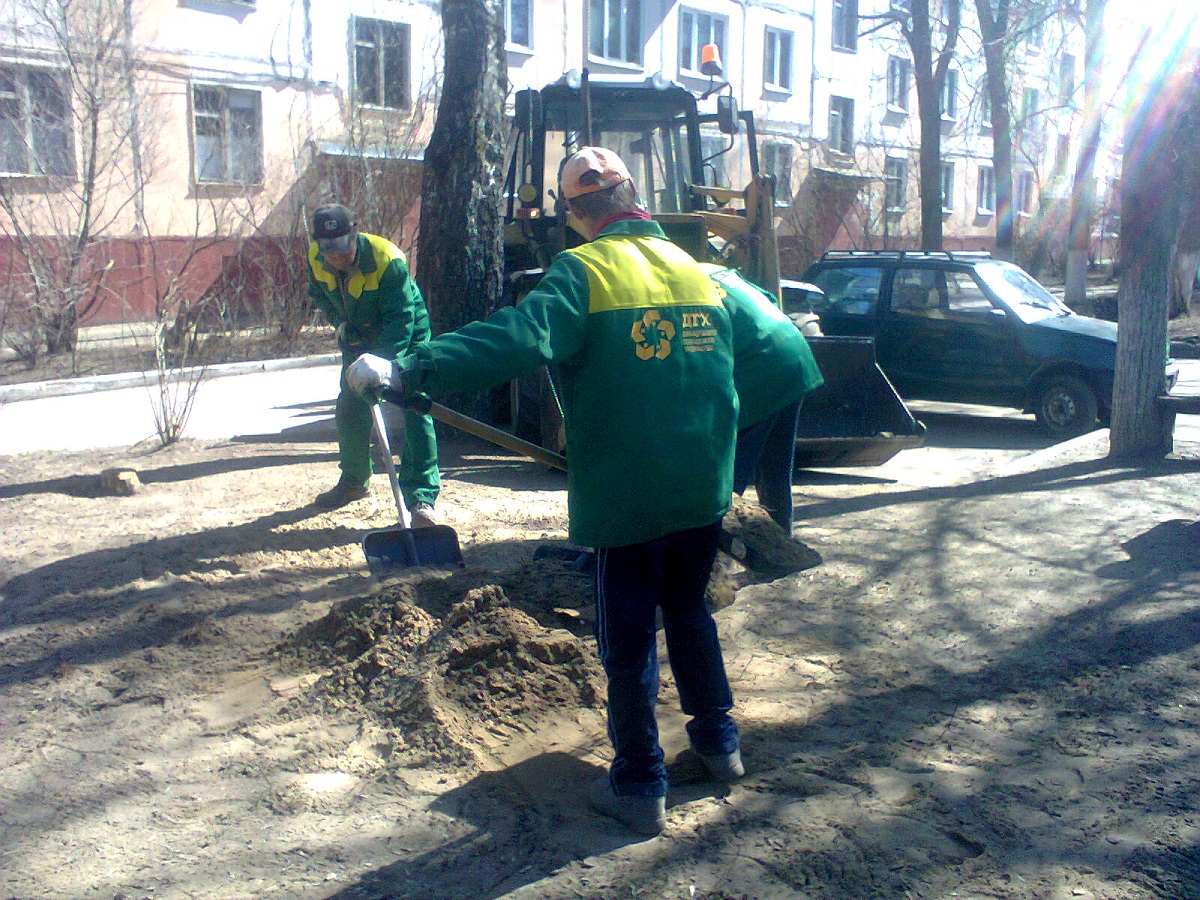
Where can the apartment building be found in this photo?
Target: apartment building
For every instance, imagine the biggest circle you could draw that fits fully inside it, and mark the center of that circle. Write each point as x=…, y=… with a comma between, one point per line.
x=155, y=150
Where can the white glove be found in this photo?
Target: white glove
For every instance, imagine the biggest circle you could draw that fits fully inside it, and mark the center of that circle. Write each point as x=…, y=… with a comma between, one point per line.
x=369, y=374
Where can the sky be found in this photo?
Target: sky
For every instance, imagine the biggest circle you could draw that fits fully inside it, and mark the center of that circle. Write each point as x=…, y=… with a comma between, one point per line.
x=1142, y=35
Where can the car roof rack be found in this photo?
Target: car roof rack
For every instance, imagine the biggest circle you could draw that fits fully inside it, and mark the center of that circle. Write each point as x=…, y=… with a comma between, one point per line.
x=908, y=254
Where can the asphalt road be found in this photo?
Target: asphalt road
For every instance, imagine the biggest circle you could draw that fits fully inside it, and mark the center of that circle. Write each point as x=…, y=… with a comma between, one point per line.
x=294, y=399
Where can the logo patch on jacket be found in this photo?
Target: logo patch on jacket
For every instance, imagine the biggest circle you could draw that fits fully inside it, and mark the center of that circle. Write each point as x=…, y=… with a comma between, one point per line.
x=652, y=336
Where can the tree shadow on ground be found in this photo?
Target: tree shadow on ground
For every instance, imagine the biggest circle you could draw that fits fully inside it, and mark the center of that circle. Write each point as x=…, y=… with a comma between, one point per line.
x=534, y=813
x=1069, y=476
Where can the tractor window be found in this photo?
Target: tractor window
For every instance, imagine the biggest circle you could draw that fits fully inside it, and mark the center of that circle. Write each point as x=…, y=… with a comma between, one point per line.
x=660, y=163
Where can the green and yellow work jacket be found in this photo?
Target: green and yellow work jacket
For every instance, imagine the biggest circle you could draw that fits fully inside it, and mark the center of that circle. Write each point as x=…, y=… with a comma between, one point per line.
x=377, y=301
x=641, y=349
x=773, y=364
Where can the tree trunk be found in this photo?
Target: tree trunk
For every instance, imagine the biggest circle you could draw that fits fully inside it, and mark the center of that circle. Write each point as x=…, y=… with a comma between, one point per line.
x=930, y=75
x=461, y=253
x=1159, y=186
x=993, y=23
x=1083, y=192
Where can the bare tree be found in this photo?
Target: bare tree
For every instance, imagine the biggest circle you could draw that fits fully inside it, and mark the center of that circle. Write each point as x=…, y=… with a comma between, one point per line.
x=1083, y=191
x=930, y=65
x=1160, y=191
x=77, y=134
x=994, y=25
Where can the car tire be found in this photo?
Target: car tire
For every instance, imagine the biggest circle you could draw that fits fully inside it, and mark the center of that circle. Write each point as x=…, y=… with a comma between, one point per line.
x=1065, y=406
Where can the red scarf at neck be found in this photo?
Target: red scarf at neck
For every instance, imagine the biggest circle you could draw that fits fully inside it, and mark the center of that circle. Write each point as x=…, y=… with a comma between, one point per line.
x=624, y=214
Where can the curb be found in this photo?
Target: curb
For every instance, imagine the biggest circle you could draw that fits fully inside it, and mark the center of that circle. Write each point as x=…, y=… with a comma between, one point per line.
x=64, y=387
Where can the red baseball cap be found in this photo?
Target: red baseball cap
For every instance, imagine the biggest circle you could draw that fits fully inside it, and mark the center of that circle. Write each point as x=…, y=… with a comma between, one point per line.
x=592, y=169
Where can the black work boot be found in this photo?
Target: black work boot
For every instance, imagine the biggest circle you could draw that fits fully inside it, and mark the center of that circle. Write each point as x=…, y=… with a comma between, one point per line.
x=340, y=494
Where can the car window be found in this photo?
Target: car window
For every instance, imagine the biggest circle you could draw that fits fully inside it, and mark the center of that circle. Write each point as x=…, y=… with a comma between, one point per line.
x=853, y=290
x=919, y=292
x=1017, y=288
x=964, y=296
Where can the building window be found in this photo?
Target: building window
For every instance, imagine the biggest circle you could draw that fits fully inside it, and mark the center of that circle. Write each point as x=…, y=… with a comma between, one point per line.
x=381, y=62
x=227, y=126
x=1062, y=155
x=517, y=24
x=1029, y=110
x=35, y=123
x=902, y=6
x=777, y=60
x=841, y=125
x=1066, y=80
x=949, y=102
x=777, y=161
x=986, y=195
x=985, y=109
x=1035, y=34
x=894, y=172
x=898, y=77
x=845, y=25
x=947, y=187
x=1026, y=192
x=695, y=30
x=615, y=30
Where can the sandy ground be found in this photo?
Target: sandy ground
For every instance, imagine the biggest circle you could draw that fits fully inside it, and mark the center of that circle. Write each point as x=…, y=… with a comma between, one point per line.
x=987, y=688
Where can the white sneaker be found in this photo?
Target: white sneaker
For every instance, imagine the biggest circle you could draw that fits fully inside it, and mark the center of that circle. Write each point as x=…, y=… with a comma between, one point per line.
x=424, y=515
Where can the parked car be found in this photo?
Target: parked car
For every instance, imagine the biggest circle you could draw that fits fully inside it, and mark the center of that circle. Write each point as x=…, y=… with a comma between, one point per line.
x=966, y=328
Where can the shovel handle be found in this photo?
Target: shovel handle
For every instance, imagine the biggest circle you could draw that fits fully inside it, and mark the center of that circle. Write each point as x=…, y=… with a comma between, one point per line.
x=422, y=404
x=390, y=465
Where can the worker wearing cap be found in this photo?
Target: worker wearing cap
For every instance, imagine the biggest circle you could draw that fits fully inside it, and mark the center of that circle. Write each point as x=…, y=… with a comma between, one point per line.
x=642, y=345
x=361, y=283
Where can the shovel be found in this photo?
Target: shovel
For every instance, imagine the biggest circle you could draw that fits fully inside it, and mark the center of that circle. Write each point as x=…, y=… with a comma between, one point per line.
x=398, y=548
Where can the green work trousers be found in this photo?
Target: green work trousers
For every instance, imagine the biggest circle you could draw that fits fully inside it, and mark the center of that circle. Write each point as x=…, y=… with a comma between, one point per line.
x=420, y=480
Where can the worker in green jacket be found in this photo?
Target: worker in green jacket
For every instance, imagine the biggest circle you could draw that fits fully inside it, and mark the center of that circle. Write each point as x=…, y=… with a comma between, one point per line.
x=642, y=345
x=774, y=369
x=361, y=283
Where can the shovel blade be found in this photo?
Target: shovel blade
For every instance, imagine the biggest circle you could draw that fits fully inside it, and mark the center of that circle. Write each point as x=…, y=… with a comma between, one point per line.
x=401, y=548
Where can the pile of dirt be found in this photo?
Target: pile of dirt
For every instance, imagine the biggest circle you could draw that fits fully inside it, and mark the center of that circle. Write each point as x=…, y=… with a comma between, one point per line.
x=450, y=664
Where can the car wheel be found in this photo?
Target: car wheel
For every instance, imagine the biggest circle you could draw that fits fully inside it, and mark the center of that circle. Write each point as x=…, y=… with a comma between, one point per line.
x=1066, y=407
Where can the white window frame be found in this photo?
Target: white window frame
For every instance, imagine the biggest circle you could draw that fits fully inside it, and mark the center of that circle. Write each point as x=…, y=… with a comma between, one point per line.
x=895, y=184
x=625, y=46
x=947, y=186
x=845, y=25
x=698, y=27
x=985, y=110
x=36, y=140
x=240, y=161
x=517, y=20
x=948, y=102
x=778, y=56
x=985, y=192
x=899, y=82
x=841, y=125
x=377, y=50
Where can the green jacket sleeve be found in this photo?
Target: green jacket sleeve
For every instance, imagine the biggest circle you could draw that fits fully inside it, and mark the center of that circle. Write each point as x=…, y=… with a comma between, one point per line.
x=546, y=328
x=773, y=364
x=401, y=319
x=322, y=301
